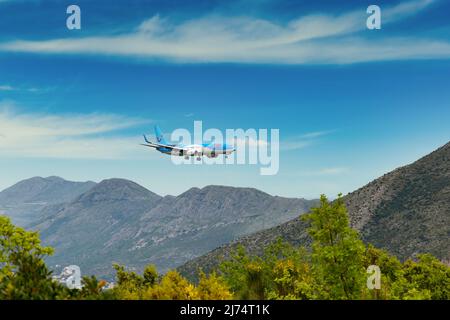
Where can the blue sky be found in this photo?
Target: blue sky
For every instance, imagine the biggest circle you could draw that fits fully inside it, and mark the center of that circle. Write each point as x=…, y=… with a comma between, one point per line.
x=351, y=104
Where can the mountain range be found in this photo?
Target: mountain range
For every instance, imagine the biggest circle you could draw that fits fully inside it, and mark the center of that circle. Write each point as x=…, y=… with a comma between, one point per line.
x=120, y=221
x=406, y=212
x=93, y=225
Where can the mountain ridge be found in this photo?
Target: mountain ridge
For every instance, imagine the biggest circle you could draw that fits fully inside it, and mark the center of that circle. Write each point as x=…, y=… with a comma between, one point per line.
x=121, y=221
x=406, y=211
x=24, y=200
x=116, y=220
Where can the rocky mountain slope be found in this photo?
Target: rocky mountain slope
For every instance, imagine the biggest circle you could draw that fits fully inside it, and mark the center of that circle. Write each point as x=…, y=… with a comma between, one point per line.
x=24, y=200
x=120, y=221
x=406, y=211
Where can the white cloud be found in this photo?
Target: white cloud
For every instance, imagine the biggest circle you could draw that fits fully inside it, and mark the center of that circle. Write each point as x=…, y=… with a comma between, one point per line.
x=308, y=39
x=88, y=136
x=6, y=87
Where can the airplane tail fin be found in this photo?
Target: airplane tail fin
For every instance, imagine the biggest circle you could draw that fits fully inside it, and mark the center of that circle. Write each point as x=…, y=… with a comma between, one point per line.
x=159, y=135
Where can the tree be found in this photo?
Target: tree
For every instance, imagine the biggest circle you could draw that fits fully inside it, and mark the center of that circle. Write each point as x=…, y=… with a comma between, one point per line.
x=282, y=272
x=428, y=277
x=245, y=275
x=337, y=251
x=213, y=287
x=130, y=285
x=391, y=271
x=92, y=289
x=150, y=275
x=172, y=287
x=23, y=273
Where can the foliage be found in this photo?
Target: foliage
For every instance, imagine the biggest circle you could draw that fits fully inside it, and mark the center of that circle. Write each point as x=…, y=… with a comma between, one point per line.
x=337, y=251
x=334, y=268
x=213, y=287
x=429, y=277
x=23, y=273
x=92, y=289
x=129, y=285
x=282, y=272
x=171, y=286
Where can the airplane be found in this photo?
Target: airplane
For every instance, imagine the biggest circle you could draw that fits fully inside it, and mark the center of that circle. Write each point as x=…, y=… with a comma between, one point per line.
x=211, y=150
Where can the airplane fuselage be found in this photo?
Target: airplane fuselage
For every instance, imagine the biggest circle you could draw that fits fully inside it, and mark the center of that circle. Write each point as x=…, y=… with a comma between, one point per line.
x=198, y=150
x=211, y=150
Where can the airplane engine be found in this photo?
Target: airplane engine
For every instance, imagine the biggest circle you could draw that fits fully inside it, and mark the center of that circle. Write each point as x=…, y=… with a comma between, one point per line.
x=177, y=153
x=212, y=154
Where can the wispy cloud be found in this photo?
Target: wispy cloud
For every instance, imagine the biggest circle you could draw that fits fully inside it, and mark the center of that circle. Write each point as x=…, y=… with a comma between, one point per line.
x=249, y=143
x=294, y=144
x=332, y=171
x=89, y=136
x=7, y=87
x=303, y=140
x=318, y=38
x=315, y=134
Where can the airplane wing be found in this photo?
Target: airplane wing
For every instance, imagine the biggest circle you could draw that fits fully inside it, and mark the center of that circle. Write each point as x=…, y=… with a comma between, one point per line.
x=161, y=145
x=158, y=145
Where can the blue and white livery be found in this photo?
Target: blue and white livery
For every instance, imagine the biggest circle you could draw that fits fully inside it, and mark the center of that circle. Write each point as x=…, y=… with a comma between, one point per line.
x=211, y=150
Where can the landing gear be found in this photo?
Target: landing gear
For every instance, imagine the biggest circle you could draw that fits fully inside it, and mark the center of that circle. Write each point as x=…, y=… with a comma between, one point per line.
x=198, y=155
